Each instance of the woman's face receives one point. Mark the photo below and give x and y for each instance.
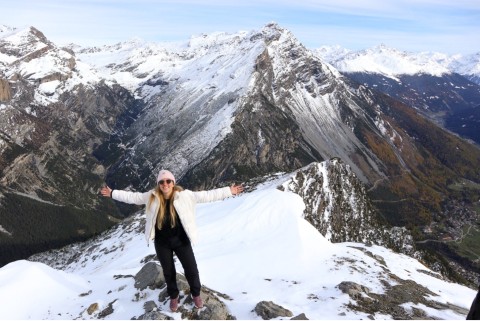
(166, 186)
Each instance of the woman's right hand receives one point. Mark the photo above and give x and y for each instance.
(106, 191)
(236, 189)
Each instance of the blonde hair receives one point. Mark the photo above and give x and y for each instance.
(158, 195)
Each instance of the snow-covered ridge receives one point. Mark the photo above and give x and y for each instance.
(392, 62)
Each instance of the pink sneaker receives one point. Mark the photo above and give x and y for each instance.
(174, 304)
(198, 302)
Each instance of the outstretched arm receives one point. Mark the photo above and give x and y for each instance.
(215, 194)
(126, 196)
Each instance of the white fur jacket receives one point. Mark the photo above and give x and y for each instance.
(184, 202)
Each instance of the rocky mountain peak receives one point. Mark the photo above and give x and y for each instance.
(20, 44)
(39, 35)
(272, 32)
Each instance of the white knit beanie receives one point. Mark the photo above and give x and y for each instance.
(164, 174)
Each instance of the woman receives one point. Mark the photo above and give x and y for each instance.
(170, 222)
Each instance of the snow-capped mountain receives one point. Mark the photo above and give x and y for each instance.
(191, 93)
(216, 109)
(258, 259)
(391, 62)
(443, 87)
(54, 110)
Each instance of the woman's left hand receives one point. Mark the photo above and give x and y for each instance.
(106, 191)
(236, 189)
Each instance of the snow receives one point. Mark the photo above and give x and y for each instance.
(204, 61)
(49, 88)
(2, 229)
(253, 247)
(392, 62)
(18, 37)
(30, 289)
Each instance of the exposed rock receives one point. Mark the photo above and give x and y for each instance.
(351, 217)
(392, 301)
(214, 308)
(269, 310)
(85, 293)
(301, 316)
(152, 312)
(5, 92)
(149, 306)
(154, 315)
(92, 308)
(378, 258)
(150, 275)
(354, 290)
(107, 311)
(182, 284)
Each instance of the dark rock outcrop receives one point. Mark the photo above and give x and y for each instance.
(269, 310)
(337, 204)
(392, 301)
(151, 276)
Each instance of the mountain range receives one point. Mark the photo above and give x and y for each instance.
(222, 108)
(442, 87)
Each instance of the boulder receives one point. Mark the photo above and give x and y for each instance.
(5, 92)
(269, 310)
(301, 316)
(154, 315)
(149, 306)
(107, 311)
(92, 308)
(151, 276)
(354, 290)
(213, 307)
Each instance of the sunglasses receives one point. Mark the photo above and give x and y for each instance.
(168, 181)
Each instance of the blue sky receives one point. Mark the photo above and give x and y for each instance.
(449, 26)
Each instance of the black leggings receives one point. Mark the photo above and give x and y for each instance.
(184, 252)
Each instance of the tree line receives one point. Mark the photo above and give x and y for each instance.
(34, 226)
